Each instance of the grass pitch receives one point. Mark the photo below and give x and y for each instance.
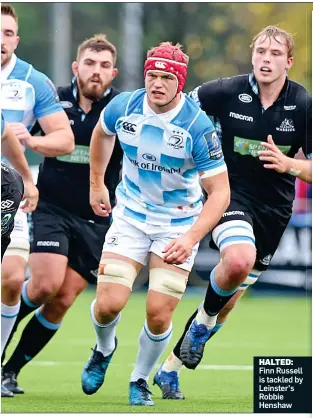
(259, 326)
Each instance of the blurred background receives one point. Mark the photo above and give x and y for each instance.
(216, 36)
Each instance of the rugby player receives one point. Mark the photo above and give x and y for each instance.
(263, 119)
(16, 184)
(64, 258)
(168, 142)
(26, 96)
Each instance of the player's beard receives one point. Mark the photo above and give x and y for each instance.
(5, 58)
(94, 92)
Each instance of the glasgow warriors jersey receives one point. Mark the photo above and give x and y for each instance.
(64, 180)
(163, 154)
(243, 123)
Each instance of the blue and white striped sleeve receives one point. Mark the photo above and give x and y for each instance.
(113, 111)
(46, 97)
(207, 151)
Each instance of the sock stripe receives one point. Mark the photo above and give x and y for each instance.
(9, 316)
(29, 303)
(157, 340)
(46, 323)
(217, 289)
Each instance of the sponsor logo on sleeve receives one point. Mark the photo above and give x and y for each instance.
(214, 145)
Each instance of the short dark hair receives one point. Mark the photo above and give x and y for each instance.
(8, 10)
(97, 43)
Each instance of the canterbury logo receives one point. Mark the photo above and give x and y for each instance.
(160, 64)
(129, 127)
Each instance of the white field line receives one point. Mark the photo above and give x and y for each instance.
(200, 367)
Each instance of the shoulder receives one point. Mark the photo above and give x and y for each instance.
(114, 92)
(128, 101)
(197, 117)
(66, 97)
(227, 84)
(299, 93)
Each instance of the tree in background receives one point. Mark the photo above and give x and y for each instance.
(215, 35)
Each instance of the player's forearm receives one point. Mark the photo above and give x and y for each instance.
(12, 151)
(211, 213)
(60, 142)
(301, 169)
(101, 148)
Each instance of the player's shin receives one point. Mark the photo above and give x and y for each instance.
(151, 347)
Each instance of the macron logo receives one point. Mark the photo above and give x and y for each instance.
(48, 244)
(242, 117)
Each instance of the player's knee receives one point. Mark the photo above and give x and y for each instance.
(110, 306)
(238, 265)
(158, 320)
(11, 285)
(43, 287)
(12, 280)
(168, 282)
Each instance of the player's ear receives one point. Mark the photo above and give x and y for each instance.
(289, 63)
(75, 68)
(114, 73)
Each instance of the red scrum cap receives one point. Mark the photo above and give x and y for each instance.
(168, 58)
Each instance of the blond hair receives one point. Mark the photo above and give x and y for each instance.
(97, 43)
(275, 32)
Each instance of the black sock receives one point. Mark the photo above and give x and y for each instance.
(176, 350)
(33, 339)
(23, 312)
(215, 298)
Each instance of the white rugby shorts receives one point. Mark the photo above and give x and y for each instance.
(134, 239)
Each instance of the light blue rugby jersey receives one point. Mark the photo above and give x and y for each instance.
(163, 154)
(26, 94)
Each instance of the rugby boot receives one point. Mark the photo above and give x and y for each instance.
(10, 382)
(94, 372)
(169, 384)
(139, 393)
(5, 393)
(192, 347)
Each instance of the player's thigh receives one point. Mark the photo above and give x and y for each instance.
(167, 284)
(49, 248)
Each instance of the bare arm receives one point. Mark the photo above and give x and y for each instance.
(218, 200)
(217, 188)
(101, 148)
(59, 138)
(301, 169)
(12, 151)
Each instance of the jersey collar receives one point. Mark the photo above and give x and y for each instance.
(166, 115)
(8, 68)
(255, 88)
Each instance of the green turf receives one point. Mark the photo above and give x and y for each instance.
(258, 327)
